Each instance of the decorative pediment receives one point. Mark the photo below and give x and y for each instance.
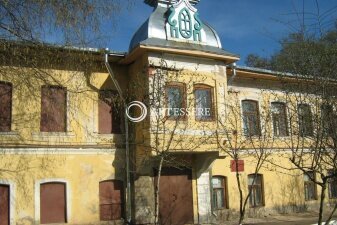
(184, 24)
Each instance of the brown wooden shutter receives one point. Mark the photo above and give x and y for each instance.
(5, 107)
(4, 205)
(109, 116)
(53, 203)
(53, 109)
(111, 200)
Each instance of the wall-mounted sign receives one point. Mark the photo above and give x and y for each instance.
(183, 23)
(240, 165)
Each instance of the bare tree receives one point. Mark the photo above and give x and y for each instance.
(253, 142)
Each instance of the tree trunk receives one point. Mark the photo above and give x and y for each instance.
(156, 216)
(242, 210)
(321, 206)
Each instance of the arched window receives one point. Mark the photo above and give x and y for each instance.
(111, 196)
(53, 204)
(250, 116)
(220, 194)
(185, 23)
(255, 185)
(175, 100)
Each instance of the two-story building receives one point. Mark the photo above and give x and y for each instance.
(65, 158)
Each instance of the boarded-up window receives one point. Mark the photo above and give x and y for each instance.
(111, 200)
(53, 109)
(53, 203)
(109, 113)
(4, 205)
(5, 107)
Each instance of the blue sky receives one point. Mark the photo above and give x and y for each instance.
(244, 26)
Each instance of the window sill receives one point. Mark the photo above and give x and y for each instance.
(52, 134)
(9, 134)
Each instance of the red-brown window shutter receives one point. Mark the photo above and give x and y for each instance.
(5, 107)
(111, 200)
(53, 203)
(109, 115)
(53, 109)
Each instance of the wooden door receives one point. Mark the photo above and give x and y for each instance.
(4, 205)
(53, 203)
(175, 197)
(111, 200)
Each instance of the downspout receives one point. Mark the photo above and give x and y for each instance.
(127, 148)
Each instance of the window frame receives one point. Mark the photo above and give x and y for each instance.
(248, 134)
(10, 106)
(332, 181)
(327, 131)
(285, 118)
(253, 186)
(211, 90)
(306, 134)
(224, 187)
(182, 87)
(309, 183)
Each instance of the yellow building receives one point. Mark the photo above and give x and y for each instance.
(65, 158)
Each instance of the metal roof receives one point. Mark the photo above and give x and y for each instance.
(154, 27)
(153, 3)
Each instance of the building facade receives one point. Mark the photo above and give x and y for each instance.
(62, 131)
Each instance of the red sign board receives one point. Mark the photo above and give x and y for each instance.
(241, 165)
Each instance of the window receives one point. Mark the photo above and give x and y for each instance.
(4, 204)
(109, 113)
(327, 118)
(332, 184)
(5, 107)
(256, 198)
(53, 206)
(111, 200)
(219, 185)
(251, 121)
(175, 100)
(53, 109)
(203, 102)
(309, 186)
(305, 120)
(279, 117)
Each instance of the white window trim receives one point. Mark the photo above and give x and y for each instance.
(37, 197)
(12, 199)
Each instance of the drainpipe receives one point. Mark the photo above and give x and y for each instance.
(233, 67)
(127, 148)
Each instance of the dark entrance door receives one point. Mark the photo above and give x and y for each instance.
(4, 205)
(175, 197)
